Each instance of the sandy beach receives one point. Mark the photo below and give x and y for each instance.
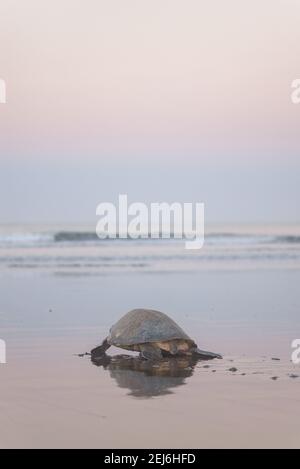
(50, 397)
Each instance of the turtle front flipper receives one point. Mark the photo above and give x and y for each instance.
(202, 354)
(98, 352)
(150, 352)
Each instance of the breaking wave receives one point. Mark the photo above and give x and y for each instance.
(32, 239)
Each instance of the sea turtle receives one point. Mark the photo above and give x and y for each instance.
(153, 334)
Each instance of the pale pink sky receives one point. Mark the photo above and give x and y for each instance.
(159, 78)
(139, 83)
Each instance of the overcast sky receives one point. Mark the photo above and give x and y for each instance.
(165, 100)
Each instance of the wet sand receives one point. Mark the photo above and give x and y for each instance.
(57, 400)
(51, 398)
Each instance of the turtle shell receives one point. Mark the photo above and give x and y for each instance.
(140, 326)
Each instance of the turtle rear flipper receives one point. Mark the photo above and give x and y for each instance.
(206, 355)
(98, 352)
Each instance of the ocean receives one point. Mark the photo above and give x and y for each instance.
(76, 250)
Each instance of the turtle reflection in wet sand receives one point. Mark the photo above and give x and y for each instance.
(146, 378)
(152, 333)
